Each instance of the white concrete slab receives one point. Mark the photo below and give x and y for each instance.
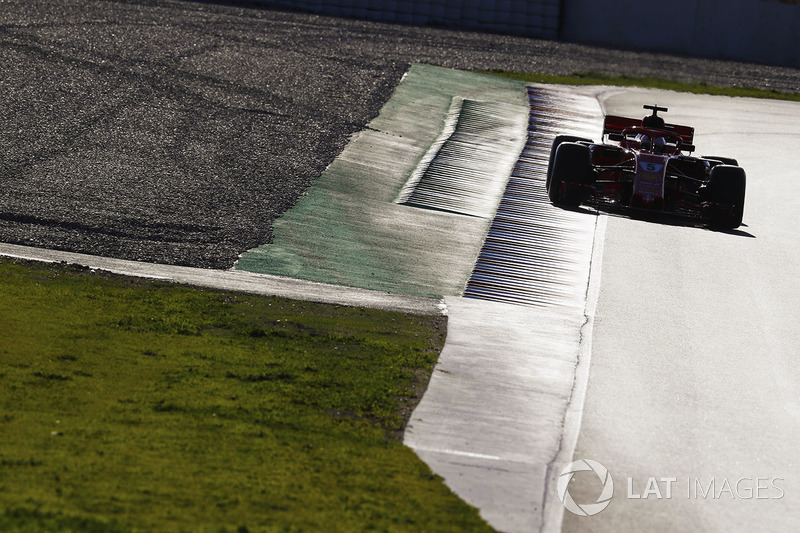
(493, 418)
(503, 409)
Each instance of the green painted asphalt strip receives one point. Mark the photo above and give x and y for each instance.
(348, 230)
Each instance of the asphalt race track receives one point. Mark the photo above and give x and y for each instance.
(694, 375)
(176, 132)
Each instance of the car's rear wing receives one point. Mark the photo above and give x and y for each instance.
(613, 126)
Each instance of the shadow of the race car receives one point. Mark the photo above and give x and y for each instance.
(653, 217)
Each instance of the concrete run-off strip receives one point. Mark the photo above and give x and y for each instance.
(502, 412)
(230, 280)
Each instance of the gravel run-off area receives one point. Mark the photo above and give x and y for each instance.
(176, 132)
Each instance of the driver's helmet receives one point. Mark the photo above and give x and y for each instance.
(659, 144)
(644, 141)
(653, 121)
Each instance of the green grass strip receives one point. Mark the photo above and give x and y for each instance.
(130, 405)
(595, 78)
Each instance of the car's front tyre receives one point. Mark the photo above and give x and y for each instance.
(558, 141)
(724, 196)
(571, 174)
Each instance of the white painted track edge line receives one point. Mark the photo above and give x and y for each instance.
(458, 453)
(553, 510)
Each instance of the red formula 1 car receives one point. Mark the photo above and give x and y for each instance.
(647, 170)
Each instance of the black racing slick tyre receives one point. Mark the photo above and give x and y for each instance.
(572, 170)
(725, 193)
(560, 139)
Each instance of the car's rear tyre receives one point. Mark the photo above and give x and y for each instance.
(725, 193)
(572, 170)
(558, 141)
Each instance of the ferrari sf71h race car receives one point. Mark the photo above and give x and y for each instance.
(647, 171)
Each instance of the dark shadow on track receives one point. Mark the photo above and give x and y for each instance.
(666, 219)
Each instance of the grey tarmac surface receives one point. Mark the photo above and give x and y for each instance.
(176, 132)
(694, 372)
